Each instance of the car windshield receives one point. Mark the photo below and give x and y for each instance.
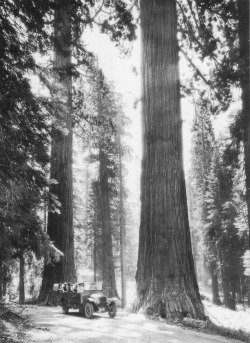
(93, 286)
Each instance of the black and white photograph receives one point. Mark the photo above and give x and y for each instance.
(124, 171)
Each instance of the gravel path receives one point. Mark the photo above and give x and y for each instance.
(133, 328)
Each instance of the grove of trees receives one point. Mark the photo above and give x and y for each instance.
(65, 207)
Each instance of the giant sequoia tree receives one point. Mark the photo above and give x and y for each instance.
(166, 281)
(60, 225)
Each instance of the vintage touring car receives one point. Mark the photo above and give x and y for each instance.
(87, 297)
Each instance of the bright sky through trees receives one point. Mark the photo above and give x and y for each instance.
(124, 71)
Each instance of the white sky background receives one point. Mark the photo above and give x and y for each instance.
(118, 68)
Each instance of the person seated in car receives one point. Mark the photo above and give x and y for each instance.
(81, 287)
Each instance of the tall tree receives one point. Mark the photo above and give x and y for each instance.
(70, 20)
(166, 281)
(23, 127)
(221, 231)
(21, 279)
(228, 56)
(107, 172)
(244, 47)
(202, 152)
(60, 225)
(122, 223)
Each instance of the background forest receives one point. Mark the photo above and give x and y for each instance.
(68, 209)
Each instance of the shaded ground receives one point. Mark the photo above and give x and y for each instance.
(133, 328)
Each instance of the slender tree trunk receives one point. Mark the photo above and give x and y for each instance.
(45, 212)
(96, 227)
(21, 280)
(228, 295)
(107, 263)
(166, 281)
(5, 277)
(122, 227)
(215, 284)
(60, 226)
(95, 257)
(95, 248)
(1, 276)
(243, 11)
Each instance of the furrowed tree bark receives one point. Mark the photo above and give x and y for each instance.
(166, 280)
(60, 226)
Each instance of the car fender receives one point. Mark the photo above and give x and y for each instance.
(91, 300)
(112, 300)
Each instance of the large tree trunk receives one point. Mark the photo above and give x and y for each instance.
(107, 263)
(60, 226)
(166, 280)
(21, 279)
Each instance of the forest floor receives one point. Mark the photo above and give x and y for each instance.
(233, 320)
(51, 326)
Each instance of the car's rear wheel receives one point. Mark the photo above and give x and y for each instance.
(88, 310)
(65, 307)
(112, 310)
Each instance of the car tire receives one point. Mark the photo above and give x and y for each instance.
(112, 310)
(88, 310)
(65, 307)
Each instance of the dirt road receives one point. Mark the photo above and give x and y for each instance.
(133, 328)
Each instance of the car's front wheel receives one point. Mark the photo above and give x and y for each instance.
(88, 310)
(112, 310)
